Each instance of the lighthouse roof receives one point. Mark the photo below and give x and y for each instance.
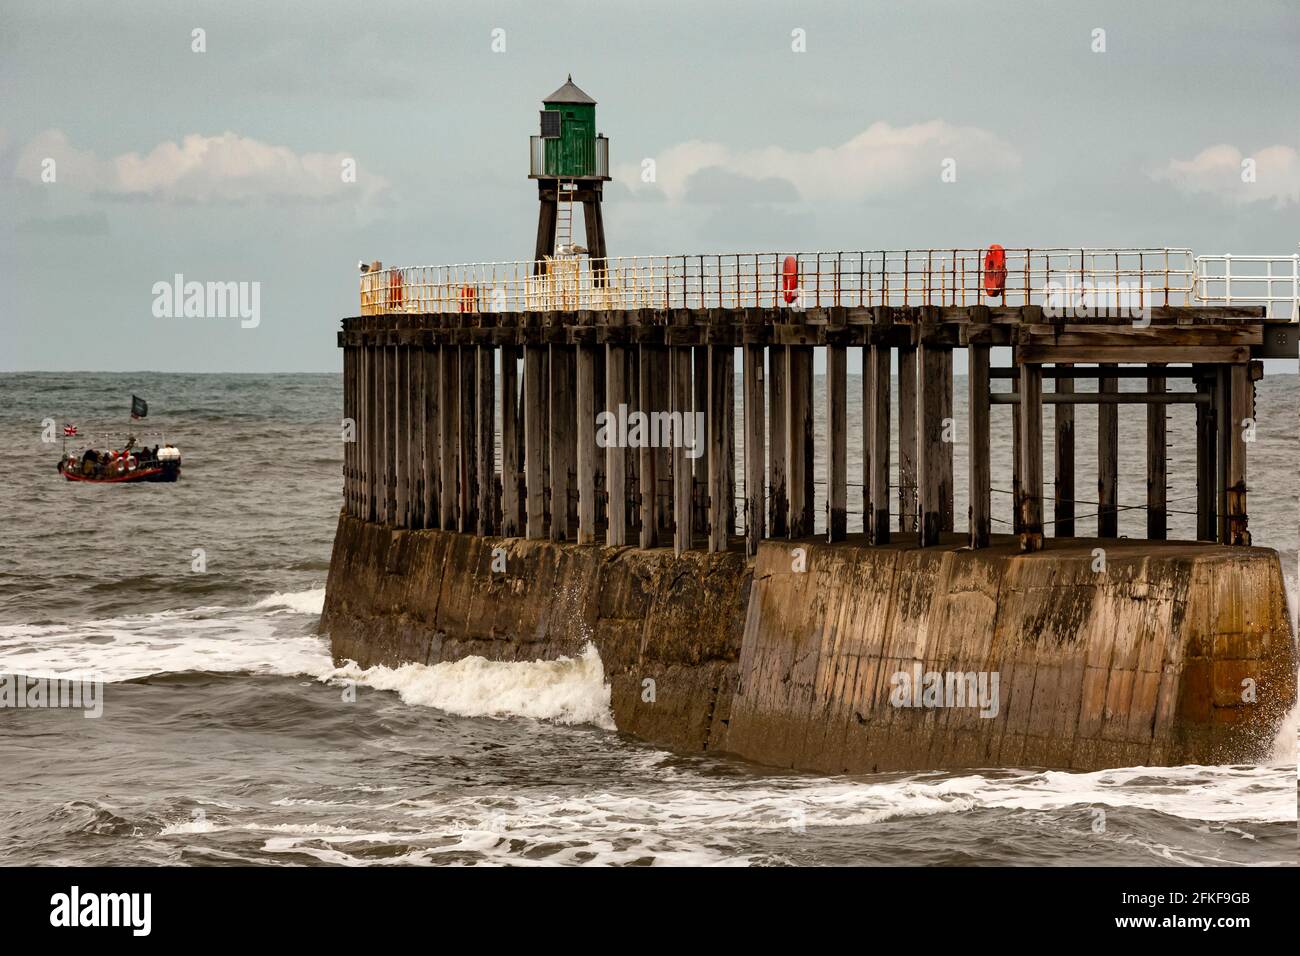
(569, 93)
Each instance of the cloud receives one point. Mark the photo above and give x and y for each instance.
(1218, 170)
(877, 161)
(76, 224)
(717, 185)
(200, 169)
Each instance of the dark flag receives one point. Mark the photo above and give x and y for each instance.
(139, 407)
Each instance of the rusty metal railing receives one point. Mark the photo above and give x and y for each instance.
(1163, 276)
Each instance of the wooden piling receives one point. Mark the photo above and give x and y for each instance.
(648, 473)
(978, 444)
(1108, 461)
(879, 481)
(563, 436)
(720, 465)
(616, 395)
(799, 440)
(1206, 470)
(680, 388)
(947, 506)
(1157, 466)
(586, 443)
(486, 432)
(1223, 438)
(1031, 457)
(467, 440)
(930, 444)
(868, 442)
(534, 450)
(391, 395)
(755, 450)
(402, 438)
(837, 424)
(778, 438)
(415, 362)
(700, 466)
(1242, 399)
(906, 438)
(448, 417)
(511, 488)
(1063, 451)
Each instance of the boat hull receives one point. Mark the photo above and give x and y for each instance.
(140, 474)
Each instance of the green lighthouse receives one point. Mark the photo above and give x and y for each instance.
(570, 162)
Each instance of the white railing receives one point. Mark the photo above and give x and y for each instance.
(1271, 281)
(775, 280)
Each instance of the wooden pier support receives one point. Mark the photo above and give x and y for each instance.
(653, 396)
(616, 395)
(391, 396)
(837, 424)
(1206, 466)
(1031, 457)
(1108, 461)
(979, 444)
(1242, 399)
(535, 358)
(721, 464)
(467, 440)
(512, 489)
(562, 430)
(1063, 451)
(907, 417)
(880, 359)
(1157, 462)
(755, 448)
(930, 452)
(415, 437)
(680, 388)
(448, 423)
(799, 441)
(700, 465)
(777, 369)
(947, 506)
(430, 450)
(486, 396)
(586, 441)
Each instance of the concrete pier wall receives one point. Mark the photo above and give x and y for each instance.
(791, 660)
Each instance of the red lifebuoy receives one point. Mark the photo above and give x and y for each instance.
(995, 271)
(790, 278)
(468, 298)
(394, 289)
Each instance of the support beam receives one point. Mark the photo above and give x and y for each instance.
(369, 433)
(881, 372)
(430, 451)
(906, 439)
(837, 424)
(1157, 464)
(799, 440)
(978, 445)
(1015, 442)
(1064, 454)
(534, 446)
(1206, 470)
(930, 444)
(947, 505)
(721, 463)
(585, 428)
(563, 436)
(415, 439)
(349, 415)
(486, 428)
(778, 437)
(511, 488)
(391, 395)
(1031, 457)
(700, 466)
(616, 394)
(1108, 462)
(467, 440)
(682, 478)
(1223, 438)
(1243, 422)
(755, 450)
(448, 424)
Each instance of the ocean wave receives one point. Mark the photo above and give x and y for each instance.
(568, 690)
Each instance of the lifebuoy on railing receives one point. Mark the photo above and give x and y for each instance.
(394, 289)
(995, 271)
(468, 298)
(790, 278)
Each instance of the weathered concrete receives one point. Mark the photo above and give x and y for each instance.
(1141, 663)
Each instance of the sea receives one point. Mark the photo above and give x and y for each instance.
(228, 735)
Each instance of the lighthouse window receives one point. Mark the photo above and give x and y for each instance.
(550, 124)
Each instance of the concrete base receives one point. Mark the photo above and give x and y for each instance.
(791, 660)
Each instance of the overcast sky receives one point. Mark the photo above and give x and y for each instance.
(225, 165)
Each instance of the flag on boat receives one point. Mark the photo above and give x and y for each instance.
(139, 407)
(69, 431)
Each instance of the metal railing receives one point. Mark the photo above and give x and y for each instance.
(563, 163)
(775, 280)
(1271, 281)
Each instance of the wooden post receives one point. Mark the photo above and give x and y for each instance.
(1157, 466)
(391, 396)
(868, 441)
(585, 429)
(648, 474)
(1064, 455)
(720, 465)
(778, 437)
(906, 438)
(615, 453)
(661, 392)
(448, 470)
(978, 446)
(467, 440)
(1108, 461)
(700, 466)
(1015, 447)
(729, 441)
(486, 386)
(534, 450)
(1243, 414)
(930, 445)
(799, 443)
(415, 361)
(1031, 454)
(631, 455)
(682, 478)
(755, 452)
(430, 452)
(1223, 438)
(349, 414)
(837, 422)
(563, 436)
(879, 480)
(510, 458)
(1206, 514)
(947, 506)
(402, 438)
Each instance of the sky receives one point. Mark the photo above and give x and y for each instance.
(129, 155)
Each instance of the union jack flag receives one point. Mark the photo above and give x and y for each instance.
(69, 431)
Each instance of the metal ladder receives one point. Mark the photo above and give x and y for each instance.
(563, 218)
